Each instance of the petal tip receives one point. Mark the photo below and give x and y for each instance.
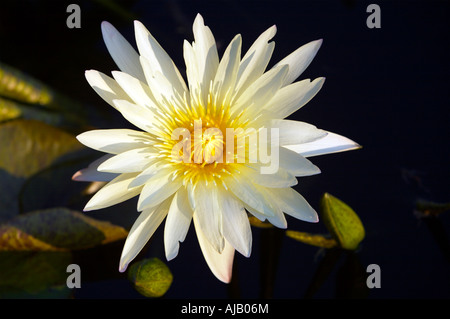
(123, 267)
(77, 176)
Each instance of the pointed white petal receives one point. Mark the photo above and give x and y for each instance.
(226, 75)
(121, 51)
(158, 59)
(280, 179)
(91, 174)
(209, 214)
(135, 160)
(177, 223)
(236, 227)
(247, 192)
(116, 191)
(192, 71)
(221, 265)
(143, 228)
(206, 55)
(260, 91)
(277, 219)
(138, 115)
(158, 188)
(135, 89)
(292, 97)
(161, 88)
(295, 163)
(106, 87)
(295, 132)
(331, 143)
(149, 172)
(292, 203)
(299, 60)
(255, 61)
(114, 141)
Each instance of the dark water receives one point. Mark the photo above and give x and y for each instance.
(388, 89)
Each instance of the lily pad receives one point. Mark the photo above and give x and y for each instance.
(57, 229)
(27, 274)
(17, 85)
(27, 146)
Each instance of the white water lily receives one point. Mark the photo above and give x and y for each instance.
(227, 93)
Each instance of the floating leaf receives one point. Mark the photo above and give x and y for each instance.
(23, 88)
(150, 277)
(8, 110)
(53, 186)
(29, 98)
(14, 239)
(27, 146)
(57, 229)
(33, 274)
(342, 222)
(312, 239)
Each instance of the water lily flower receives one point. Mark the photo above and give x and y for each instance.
(201, 152)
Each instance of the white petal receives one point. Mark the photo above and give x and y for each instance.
(255, 61)
(226, 75)
(149, 172)
(135, 160)
(295, 132)
(116, 191)
(158, 188)
(292, 97)
(114, 141)
(209, 214)
(295, 163)
(277, 218)
(331, 143)
(247, 192)
(106, 87)
(135, 89)
(292, 203)
(177, 223)
(159, 60)
(121, 51)
(143, 228)
(138, 115)
(299, 60)
(206, 55)
(221, 265)
(236, 227)
(91, 174)
(260, 91)
(192, 71)
(280, 179)
(162, 89)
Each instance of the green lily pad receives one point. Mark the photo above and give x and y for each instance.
(18, 86)
(27, 274)
(150, 277)
(8, 110)
(57, 229)
(27, 146)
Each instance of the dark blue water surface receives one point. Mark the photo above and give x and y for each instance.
(387, 88)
